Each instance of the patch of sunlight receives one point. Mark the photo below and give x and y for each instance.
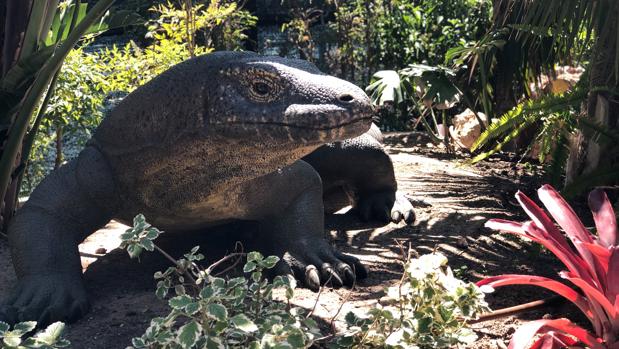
(101, 242)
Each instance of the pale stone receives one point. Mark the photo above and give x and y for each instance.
(466, 128)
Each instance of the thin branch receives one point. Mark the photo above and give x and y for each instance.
(209, 270)
(518, 309)
(339, 309)
(176, 263)
(318, 297)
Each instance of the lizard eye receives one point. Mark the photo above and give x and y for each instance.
(261, 88)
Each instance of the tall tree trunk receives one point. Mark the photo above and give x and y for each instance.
(586, 154)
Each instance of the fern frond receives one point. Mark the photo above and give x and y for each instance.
(559, 154)
(526, 113)
(512, 135)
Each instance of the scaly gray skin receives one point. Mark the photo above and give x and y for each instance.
(214, 139)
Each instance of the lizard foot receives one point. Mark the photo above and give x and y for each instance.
(46, 299)
(386, 207)
(315, 264)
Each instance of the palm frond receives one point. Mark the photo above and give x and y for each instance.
(526, 114)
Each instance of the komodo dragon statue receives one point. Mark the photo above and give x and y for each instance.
(218, 138)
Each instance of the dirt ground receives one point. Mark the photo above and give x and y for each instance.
(452, 201)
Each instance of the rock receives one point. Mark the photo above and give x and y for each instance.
(466, 128)
(101, 250)
(565, 79)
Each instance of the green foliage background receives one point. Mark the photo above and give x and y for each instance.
(88, 76)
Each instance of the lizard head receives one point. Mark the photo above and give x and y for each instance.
(285, 100)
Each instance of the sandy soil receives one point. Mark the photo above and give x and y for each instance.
(452, 200)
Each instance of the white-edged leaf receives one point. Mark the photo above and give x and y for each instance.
(217, 311)
(179, 302)
(188, 334)
(243, 323)
(51, 334)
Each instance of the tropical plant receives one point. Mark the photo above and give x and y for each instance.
(21, 337)
(555, 118)
(528, 38)
(592, 263)
(28, 65)
(422, 32)
(428, 309)
(605, 174)
(417, 87)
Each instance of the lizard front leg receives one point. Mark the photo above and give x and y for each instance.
(362, 167)
(69, 204)
(288, 206)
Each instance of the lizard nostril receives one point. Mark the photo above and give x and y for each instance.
(346, 98)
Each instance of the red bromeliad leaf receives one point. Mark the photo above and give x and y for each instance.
(563, 214)
(553, 340)
(600, 253)
(530, 231)
(591, 293)
(605, 220)
(505, 225)
(612, 275)
(567, 256)
(571, 224)
(541, 219)
(552, 285)
(525, 333)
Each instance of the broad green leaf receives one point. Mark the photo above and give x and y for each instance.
(214, 343)
(188, 334)
(180, 302)
(147, 244)
(270, 262)
(243, 323)
(138, 342)
(24, 327)
(134, 250)
(192, 308)
(217, 311)
(296, 340)
(249, 267)
(11, 340)
(152, 233)
(51, 334)
(254, 256)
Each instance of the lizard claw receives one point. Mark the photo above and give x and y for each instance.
(386, 207)
(321, 265)
(46, 299)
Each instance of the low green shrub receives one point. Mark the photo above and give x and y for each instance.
(211, 312)
(427, 309)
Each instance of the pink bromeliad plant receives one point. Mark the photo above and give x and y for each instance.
(592, 263)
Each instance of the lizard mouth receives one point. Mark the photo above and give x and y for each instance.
(367, 119)
(303, 123)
